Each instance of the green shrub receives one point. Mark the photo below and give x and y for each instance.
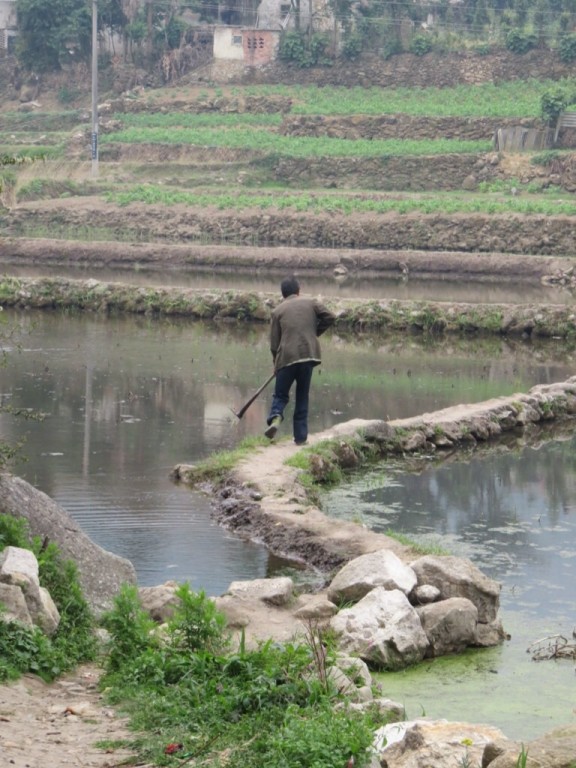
(420, 45)
(352, 47)
(483, 49)
(546, 158)
(130, 629)
(68, 95)
(567, 49)
(196, 624)
(268, 706)
(552, 103)
(24, 650)
(520, 42)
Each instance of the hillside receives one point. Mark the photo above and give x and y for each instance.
(402, 170)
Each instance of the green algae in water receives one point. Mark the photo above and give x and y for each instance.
(501, 686)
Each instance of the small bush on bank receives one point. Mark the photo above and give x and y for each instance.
(420, 45)
(552, 103)
(520, 42)
(567, 49)
(297, 48)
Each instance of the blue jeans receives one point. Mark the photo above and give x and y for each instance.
(301, 373)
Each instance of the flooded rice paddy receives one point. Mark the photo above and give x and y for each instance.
(125, 399)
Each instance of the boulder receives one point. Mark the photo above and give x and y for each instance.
(450, 625)
(19, 570)
(100, 573)
(376, 569)
(383, 629)
(314, 608)
(14, 606)
(556, 749)
(351, 678)
(458, 577)
(424, 594)
(273, 591)
(159, 601)
(438, 743)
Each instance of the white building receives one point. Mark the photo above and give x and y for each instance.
(7, 26)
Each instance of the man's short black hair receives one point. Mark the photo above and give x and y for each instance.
(289, 286)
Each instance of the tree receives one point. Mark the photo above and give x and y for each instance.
(50, 30)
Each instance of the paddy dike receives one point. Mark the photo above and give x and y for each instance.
(519, 321)
(469, 236)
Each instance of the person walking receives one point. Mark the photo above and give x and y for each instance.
(296, 324)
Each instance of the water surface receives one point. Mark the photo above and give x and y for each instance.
(353, 287)
(128, 398)
(514, 515)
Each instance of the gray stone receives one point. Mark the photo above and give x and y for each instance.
(100, 573)
(159, 601)
(556, 749)
(450, 625)
(274, 591)
(383, 629)
(314, 607)
(14, 606)
(458, 577)
(433, 744)
(376, 569)
(19, 568)
(424, 594)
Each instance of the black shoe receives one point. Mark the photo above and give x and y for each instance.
(301, 442)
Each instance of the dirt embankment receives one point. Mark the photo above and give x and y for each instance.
(474, 234)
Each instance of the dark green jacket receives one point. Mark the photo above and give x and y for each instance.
(294, 329)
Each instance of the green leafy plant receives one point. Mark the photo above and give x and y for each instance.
(196, 624)
(567, 48)
(552, 103)
(352, 47)
(271, 705)
(420, 45)
(520, 42)
(546, 158)
(130, 629)
(522, 758)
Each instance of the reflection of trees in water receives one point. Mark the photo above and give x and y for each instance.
(500, 501)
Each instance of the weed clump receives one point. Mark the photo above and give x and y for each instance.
(184, 684)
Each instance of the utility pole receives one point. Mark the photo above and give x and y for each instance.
(94, 137)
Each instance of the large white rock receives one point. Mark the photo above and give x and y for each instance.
(383, 629)
(19, 569)
(273, 591)
(376, 569)
(14, 606)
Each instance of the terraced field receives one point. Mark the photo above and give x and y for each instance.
(263, 174)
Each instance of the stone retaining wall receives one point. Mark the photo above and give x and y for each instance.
(506, 233)
(433, 70)
(353, 314)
